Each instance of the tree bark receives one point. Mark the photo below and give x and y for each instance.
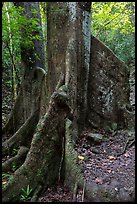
(17, 160)
(108, 88)
(74, 38)
(47, 142)
(32, 94)
(23, 135)
(62, 107)
(49, 134)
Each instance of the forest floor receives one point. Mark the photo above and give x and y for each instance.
(101, 166)
(100, 163)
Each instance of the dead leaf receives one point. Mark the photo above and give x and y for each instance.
(4, 182)
(81, 157)
(112, 158)
(99, 180)
(126, 154)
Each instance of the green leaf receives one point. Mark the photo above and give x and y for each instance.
(114, 133)
(114, 126)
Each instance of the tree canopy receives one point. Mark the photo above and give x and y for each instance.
(12, 24)
(114, 24)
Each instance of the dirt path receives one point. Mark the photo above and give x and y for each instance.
(103, 168)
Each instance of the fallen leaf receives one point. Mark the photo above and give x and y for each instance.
(81, 157)
(99, 180)
(112, 158)
(4, 182)
(126, 154)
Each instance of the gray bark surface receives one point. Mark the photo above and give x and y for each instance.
(69, 29)
(108, 88)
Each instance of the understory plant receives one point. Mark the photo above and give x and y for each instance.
(26, 193)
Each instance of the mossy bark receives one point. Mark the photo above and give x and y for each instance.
(72, 169)
(23, 136)
(42, 156)
(28, 100)
(32, 60)
(108, 88)
(16, 160)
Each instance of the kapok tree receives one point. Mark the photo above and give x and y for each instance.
(50, 111)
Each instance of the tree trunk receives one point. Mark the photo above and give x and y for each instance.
(28, 101)
(74, 18)
(33, 61)
(11, 48)
(44, 142)
(51, 156)
(69, 53)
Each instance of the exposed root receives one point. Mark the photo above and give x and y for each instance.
(36, 194)
(13, 123)
(16, 160)
(83, 193)
(23, 136)
(72, 169)
(42, 164)
(74, 199)
(28, 100)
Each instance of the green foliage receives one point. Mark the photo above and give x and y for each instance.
(7, 177)
(14, 167)
(113, 130)
(26, 193)
(17, 32)
(14, 152)
(114, 126)
(114, 24)
(10, 29)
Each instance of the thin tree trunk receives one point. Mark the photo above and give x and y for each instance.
(32, 56)
(33, 61)
(11, 52)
